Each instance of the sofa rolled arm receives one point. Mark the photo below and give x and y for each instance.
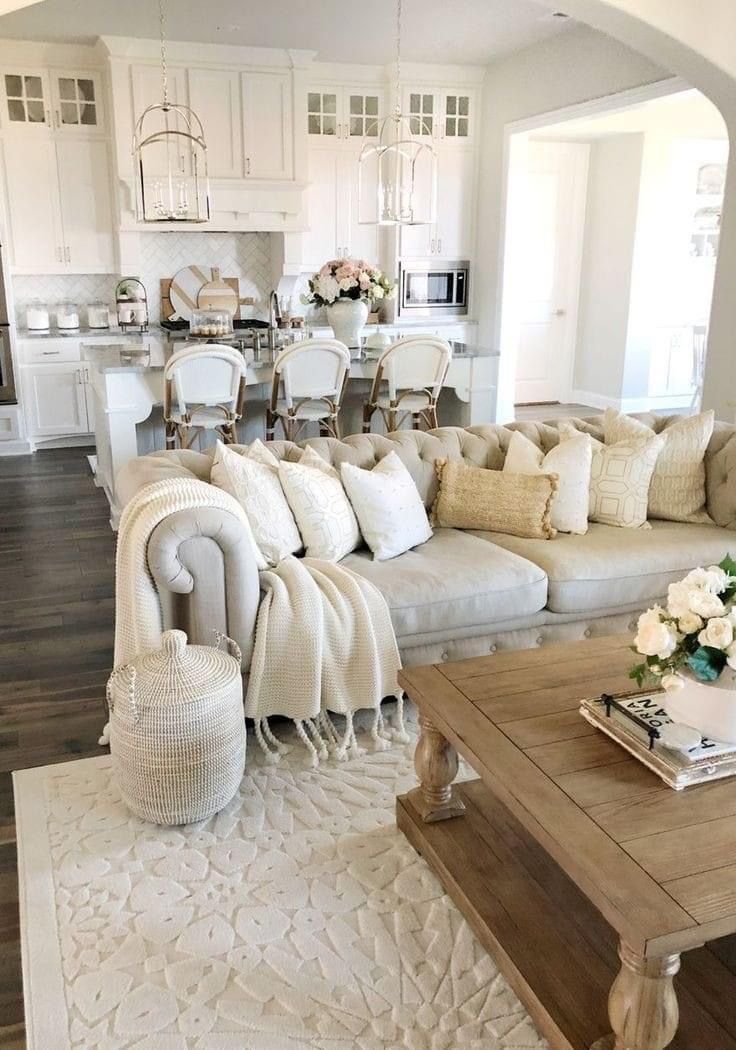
(202, 563)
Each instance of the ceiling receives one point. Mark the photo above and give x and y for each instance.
(462, 31)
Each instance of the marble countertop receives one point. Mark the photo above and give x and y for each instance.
(151, 356)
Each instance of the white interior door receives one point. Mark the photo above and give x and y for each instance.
(550, 222)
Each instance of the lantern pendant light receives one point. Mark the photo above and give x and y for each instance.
(397, 171)
(170, 158)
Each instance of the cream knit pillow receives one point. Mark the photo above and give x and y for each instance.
(322, 510)
(253, 480)
(620, 478)
(388, 505)
(677, 492)
(570, 460)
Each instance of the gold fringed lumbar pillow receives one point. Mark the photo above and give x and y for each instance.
(494, 500)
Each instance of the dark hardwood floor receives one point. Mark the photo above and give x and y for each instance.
(56, 636)
(57, 563)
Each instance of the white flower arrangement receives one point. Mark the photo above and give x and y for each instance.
(696, 632)
(348, 279)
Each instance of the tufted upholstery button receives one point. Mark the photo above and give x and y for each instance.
(493, 648)
(633, 625)
(540, 640)
(587, 632)
(445, 656)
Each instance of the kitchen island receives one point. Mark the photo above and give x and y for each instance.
(127, 385)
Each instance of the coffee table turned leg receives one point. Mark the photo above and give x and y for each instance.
(642, 1005)
(435, 761)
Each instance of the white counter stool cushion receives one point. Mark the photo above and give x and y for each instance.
(570, 460)
(322, 510)
(388, 506)
(620, 477)
(312, 375)
(252, 478)
(204, 388)
(408, 380)
(177, 730)
(677, 491)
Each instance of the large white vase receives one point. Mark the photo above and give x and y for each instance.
(709, 707)
(347, 319)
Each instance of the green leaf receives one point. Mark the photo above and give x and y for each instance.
(706, 663)
(728, 565)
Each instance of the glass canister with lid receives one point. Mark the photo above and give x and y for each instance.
(212, 324)
(67, 314)
(98, 315)
(37, 316)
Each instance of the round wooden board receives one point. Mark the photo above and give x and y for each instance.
(218, 295)
(185, 288)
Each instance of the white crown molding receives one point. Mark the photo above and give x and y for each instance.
(184, 52)
(46, 53)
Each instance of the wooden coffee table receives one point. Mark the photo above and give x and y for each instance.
(567, 848)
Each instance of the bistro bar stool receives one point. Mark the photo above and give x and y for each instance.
(309, 379)
(414, 370)
(204, 389)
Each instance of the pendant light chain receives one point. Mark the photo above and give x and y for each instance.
(164, 67)
(398, 57)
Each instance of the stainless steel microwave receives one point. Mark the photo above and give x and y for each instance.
(433, 288)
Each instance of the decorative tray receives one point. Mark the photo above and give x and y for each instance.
(638, 722)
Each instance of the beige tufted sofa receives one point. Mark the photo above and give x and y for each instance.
(462, 593)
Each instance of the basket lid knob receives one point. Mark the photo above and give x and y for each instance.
(174, 642)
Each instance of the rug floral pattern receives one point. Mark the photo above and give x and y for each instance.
(298, 917)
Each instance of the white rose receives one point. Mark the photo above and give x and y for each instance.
(672, 682)
(347, 283)
(731, 655)
(705, 604)
(328, 288)
(678, 599)
(689, 623)
(378, 292)
(656, 639)
(712, 579)
(718, 633)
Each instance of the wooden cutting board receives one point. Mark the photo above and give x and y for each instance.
(168, 313)
(218, 295)
(185, 287)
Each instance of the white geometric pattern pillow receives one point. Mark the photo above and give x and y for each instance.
(322, 510)
(570, 460)
(389, 508)
(620, 476)
(677, 492)
(253, 479)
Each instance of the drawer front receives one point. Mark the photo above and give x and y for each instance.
(43, 351)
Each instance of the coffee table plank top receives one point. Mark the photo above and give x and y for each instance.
(658, 864)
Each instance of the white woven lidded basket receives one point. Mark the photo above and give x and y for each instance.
(177, 730)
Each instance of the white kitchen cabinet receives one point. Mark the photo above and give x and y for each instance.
(59, 204)
(446, 114)
(214, 95)
(350, 114)
(451, 234)
(334, 229)
(55, 400)
(26, 100)
(148, 91)
(66, 100)
(268, 125)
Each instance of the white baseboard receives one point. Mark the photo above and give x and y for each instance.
(21, 447)
(588, 397)
(630, 404)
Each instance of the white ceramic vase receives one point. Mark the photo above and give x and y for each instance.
(709, 707)
(347, 318)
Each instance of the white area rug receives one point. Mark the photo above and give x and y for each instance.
(299, 917)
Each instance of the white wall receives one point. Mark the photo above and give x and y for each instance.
(578, 65)
(608, 252)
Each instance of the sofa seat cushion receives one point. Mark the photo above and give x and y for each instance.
(454, 580)
(610, 567)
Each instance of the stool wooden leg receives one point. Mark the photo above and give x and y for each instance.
(270, 424)
(435, 761)
(642, 1005)
(431, 415)
(170, 436)
(368, 411)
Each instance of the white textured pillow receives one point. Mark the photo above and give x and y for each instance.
(322, 510)
(677, 492)
(620, 478)
(390, 511)
(570, 460)
(253, 479)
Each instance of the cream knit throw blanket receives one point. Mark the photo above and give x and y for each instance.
(324, 639)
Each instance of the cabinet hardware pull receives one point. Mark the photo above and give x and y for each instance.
(247, 165)
(431, 246)
(50, 353)
(48, 118)
(58, 119)
(439, 246)
(67, 253)
(79, 376)
(86, 375)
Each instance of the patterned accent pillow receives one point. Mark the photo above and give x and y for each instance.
(253, 479)
(494, 500)
(322, 510)
(677, 492)
(570, 460)
(619, 479)
(388, 505)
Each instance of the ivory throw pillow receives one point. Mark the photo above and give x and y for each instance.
(322, 510)
(494, 500)
(389, 508)
(619, 479)
(677, 491)
(570, 460)
(253, 479)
